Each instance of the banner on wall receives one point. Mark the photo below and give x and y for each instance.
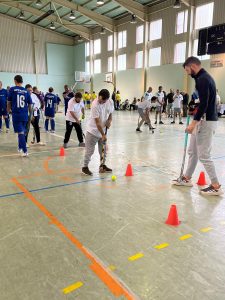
(216, 63)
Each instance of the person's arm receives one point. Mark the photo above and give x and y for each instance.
(74, 116)
(9, 106)
(109, 121)
(100, 129)
(83, 112)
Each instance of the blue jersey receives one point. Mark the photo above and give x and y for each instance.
(50, 102)
(20, 99)
(3, 99)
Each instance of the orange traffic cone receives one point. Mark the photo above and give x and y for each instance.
(129, 171)
(173, 216)
(201, 180)
(62, 152)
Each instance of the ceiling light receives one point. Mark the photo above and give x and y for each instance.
(21, 15)
(100, 2)
(133, 19)
(80, 39)
(38, 3)
(102, 31)
(52, 26)
(72, 15)
(177, 4)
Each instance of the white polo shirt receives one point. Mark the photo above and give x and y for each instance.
(177, 100)
(74, 107)
(160, 97)
(144, 105)
(148, 96)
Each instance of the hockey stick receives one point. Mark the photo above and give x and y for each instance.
(103, 154)
(185, 151)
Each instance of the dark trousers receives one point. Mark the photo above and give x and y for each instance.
(35, 123)
(185, 108)
(69, 128)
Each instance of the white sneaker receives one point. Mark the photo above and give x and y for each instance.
(41, 144)
(27, 145)
(24, 154)
(182, 182)
(211, 191)
(19, 150)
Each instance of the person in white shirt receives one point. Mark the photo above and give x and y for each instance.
(148, 95)
(74, 111)
(100, 119)
(177, 101)
(218, 102)
(144, 110)
(159, 105)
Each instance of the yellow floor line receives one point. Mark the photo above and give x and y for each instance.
(161, 246)
(185, 237)
(206, 229)
(136, 256)
(72, 287)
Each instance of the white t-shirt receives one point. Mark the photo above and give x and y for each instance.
(101, 111)
(36, 104)
(177, 101)
(160, 97)
(148, 96)
(218, 99)
(74, 107)
(144, 104)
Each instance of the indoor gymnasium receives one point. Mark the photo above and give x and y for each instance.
(112, 152)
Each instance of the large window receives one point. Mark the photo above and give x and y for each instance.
(180, 53)
(122, 39)
(87, 49)
(182, 22)
(155, 30)
(195, 51)
(110, 43)
(110, 64)
(97, 46)
(204, 15)
(155, 57)
(87, 67)
(140, 34)
(122, 62)
(139, 60)
(97, 66)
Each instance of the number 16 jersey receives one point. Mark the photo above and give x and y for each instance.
(20, 99)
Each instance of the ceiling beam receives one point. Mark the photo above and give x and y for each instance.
(78, 29)
(98, 18)
(134, 8)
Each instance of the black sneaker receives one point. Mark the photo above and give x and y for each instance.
(86, 171)
(151, 128)
(138, 130)
(172, 122)
(104, 169)
(155, 122)
(211, 191)
(161, 122)
(181, 123)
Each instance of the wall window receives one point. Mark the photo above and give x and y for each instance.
(122, 39)
(204, 15)
(155, 30)
(140, 34)
(97, 66)
(139, 60)
(110, 43)
(122, 62)
(97, 46)
(110, 64)
(195, 51)
(87, 49)
(180, 53)
(182, 22)
(155, 57)
(87, 67)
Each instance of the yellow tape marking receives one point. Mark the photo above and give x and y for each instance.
(185, 237)
(72, 287)
(206, 229)
(136, 256)
(162, 246)
(112, 268)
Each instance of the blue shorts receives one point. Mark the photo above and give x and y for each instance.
(50, 113)
(3, 112)
(20, 126)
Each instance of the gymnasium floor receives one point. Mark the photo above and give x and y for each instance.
(66, 236)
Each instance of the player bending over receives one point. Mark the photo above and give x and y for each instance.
(144, 111)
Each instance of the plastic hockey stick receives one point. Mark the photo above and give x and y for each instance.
(103, 155)
(185, 151)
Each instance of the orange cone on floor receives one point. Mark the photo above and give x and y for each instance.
(62, 152)
(201, 180)
(173, 216)
(129, 171)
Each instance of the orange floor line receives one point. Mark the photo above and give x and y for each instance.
(117, 288)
